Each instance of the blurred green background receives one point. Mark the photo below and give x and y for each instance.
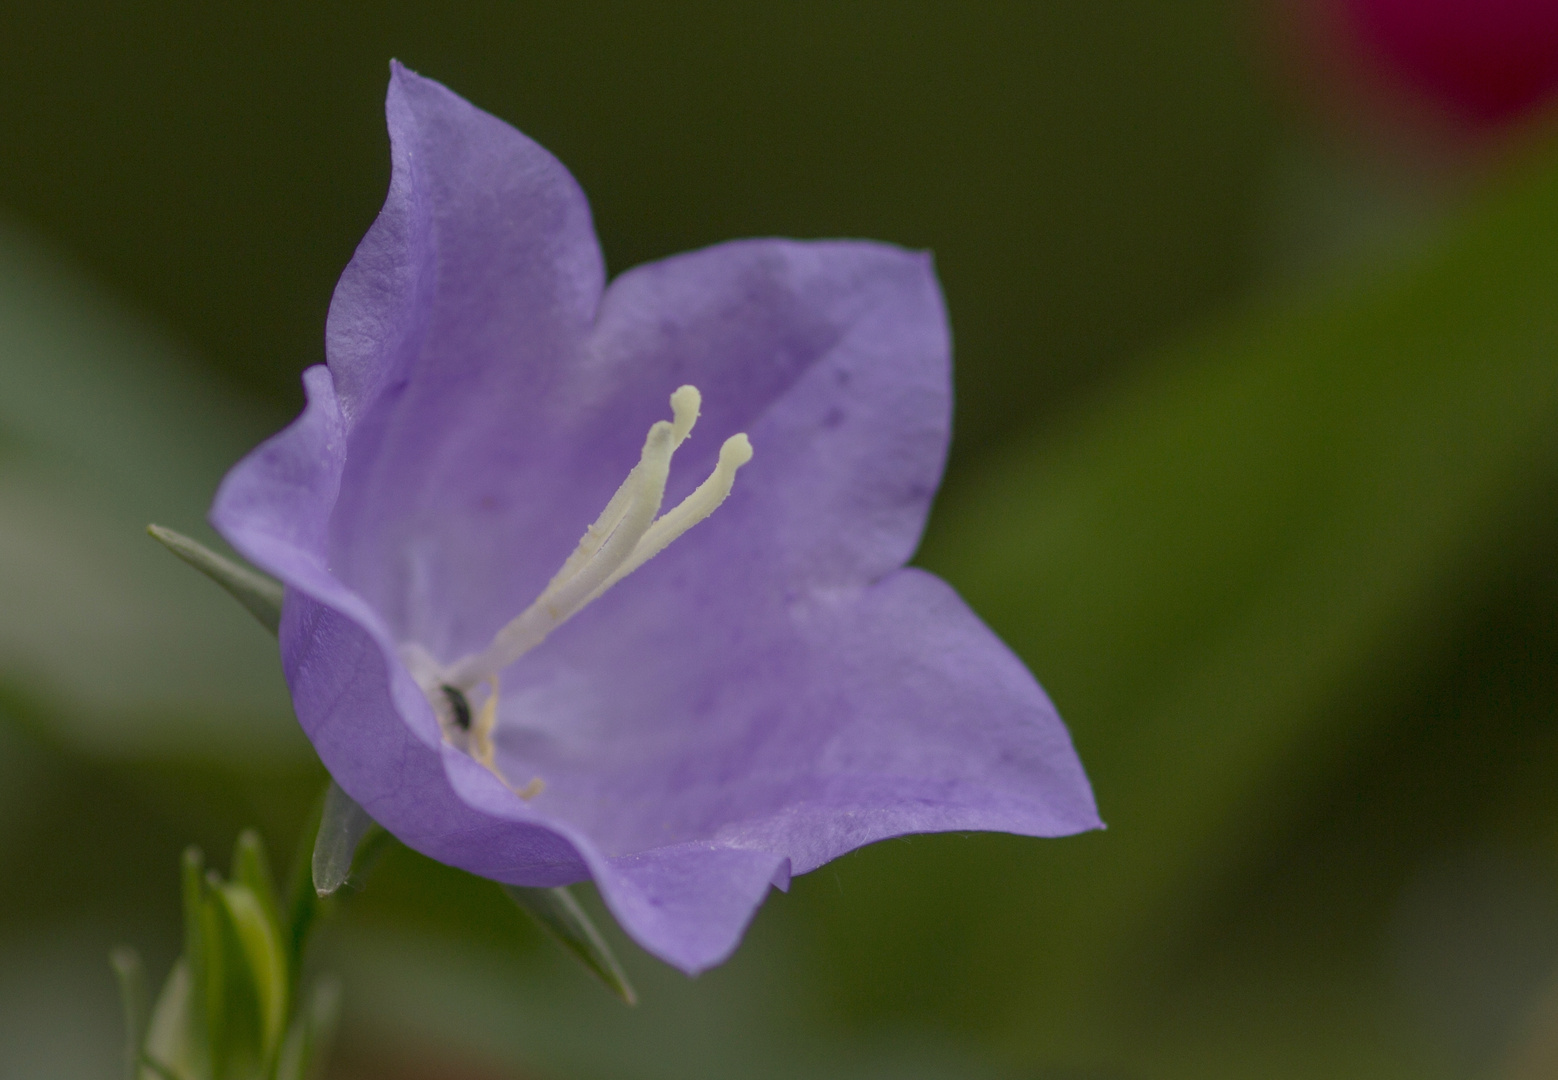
(1256, 464)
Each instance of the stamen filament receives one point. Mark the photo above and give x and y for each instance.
(705, 499)
(626, 535)
(565, 595)
(685, 405)
(481, 745)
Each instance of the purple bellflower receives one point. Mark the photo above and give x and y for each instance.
(688, 704)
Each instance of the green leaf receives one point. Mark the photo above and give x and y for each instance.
(560, 915)
(190, 1033)
(313, 1028)
(239, 981)
(261, 595)
(342, 826)
(173, 1044)
(251, 868)
(156, 1068)
(132, 993)
(219, 984)
(260, 967)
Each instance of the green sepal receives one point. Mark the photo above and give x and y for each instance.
(192, 999)
(342, 826)
(131, 975)
(560, 915)
(256, 592)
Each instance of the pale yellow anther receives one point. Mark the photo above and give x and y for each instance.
(685, 404)
(705, 499)
(482, 726)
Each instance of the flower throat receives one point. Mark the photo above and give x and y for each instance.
(628, 533)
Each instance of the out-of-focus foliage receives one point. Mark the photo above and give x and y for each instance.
(236, 1004)
(1085, 175)
(1279, 543)
(1269, 556)
(103, 427)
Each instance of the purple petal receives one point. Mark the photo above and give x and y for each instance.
(704, 696)
(807, 731)
(836, 358)
(688, 903)
(375, 733)
(456, 317)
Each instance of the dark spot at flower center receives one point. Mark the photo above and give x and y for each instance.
(461, 707)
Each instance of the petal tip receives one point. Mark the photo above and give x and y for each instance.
(400, 72)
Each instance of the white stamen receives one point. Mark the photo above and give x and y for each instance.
(603, 549)
(482, 725)
(685, 404)
(705, 499)
(624, 537)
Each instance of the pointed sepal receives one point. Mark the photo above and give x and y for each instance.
(560, 915)
(256, 592)
(342, 826)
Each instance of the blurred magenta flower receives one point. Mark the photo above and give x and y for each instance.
(1487, 61)
(772, 690)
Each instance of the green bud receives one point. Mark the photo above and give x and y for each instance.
(228, 1010)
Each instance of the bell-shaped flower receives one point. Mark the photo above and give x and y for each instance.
(731, 678)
